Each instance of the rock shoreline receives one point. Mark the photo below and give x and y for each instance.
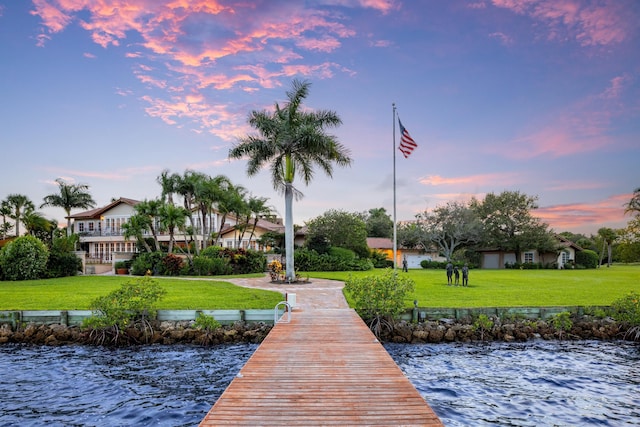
(163, 333)
(446, 330)
(442, 331)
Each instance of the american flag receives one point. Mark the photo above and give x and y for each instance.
(407, 144)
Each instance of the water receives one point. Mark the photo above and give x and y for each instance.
(529, 384)
(90, 386)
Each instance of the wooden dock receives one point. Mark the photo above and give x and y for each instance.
(323, 368)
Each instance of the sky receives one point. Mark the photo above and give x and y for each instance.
(536, 96)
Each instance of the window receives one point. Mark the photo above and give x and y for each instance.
(91, 226)
(528, 257)
(81, 227)
(564, 257)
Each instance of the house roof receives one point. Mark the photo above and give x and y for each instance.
(97, 212)
(379, 243)
(564, 242)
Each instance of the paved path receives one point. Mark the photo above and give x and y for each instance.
(319, 294)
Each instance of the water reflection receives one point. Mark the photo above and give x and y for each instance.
(528, 384)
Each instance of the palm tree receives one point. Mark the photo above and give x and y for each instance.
(169, 183)
(5, 212)
(186, 186)
(71, 196)
(608, 237)
(634, 203)
(293, 141)
(258, 208)
(18, 204)
(172, 217)
(135, 227)
(150, 210)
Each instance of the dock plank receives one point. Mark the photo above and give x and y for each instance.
(325, 368)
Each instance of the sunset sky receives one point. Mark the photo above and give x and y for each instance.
(540, 96)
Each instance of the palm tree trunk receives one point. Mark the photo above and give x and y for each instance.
(288, 231)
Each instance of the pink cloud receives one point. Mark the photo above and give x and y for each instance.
(603, 213)
(590, 23)
(188, 45)
(121, 175)
(582, 127)
(484, 179)
(504, 39)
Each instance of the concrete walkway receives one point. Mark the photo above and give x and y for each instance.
(318, 294)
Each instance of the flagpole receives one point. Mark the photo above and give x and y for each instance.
(395, 231)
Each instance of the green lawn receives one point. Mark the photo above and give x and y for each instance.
(518, 288)
(76, 293)
(488, 288)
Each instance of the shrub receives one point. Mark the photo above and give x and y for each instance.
(207, 323)
(483, 324)
(206, 266)
(379, 259)
(61, 264)
(587, 258)
(379, 299)
(562, 323)
(147, 261)
(133, 304)
(172, 265)
(627, 311)
(24, 258)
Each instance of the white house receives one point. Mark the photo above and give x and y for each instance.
(102, 236)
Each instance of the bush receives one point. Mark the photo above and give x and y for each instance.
(379, 299)
(206, 266)
(133, 304)
(63, 264)
(627, 311)
(379, 259)
(587, 258)
(24, 258)
(339, 259)
(171, 265)
(562, 323)
(147, 262)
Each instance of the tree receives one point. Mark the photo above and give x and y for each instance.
(18, 204)
(508, 222)
(172, 217)
(293, 141)
(634, 204)
(70, 196)
(149, 212)
(185, 186)
(230, 200)
(135, 227)
(257, 208)
(379, 223)
(38, 226)
(5, 212)
(608, 236)
(451, 226)
(340, 229)
(169, 183)
(24, 258)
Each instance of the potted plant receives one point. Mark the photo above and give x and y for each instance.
(122, 267)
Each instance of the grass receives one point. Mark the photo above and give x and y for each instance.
(517, 288)
(487, 288)
(77, 293)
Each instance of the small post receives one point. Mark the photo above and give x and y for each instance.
(64, 318)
